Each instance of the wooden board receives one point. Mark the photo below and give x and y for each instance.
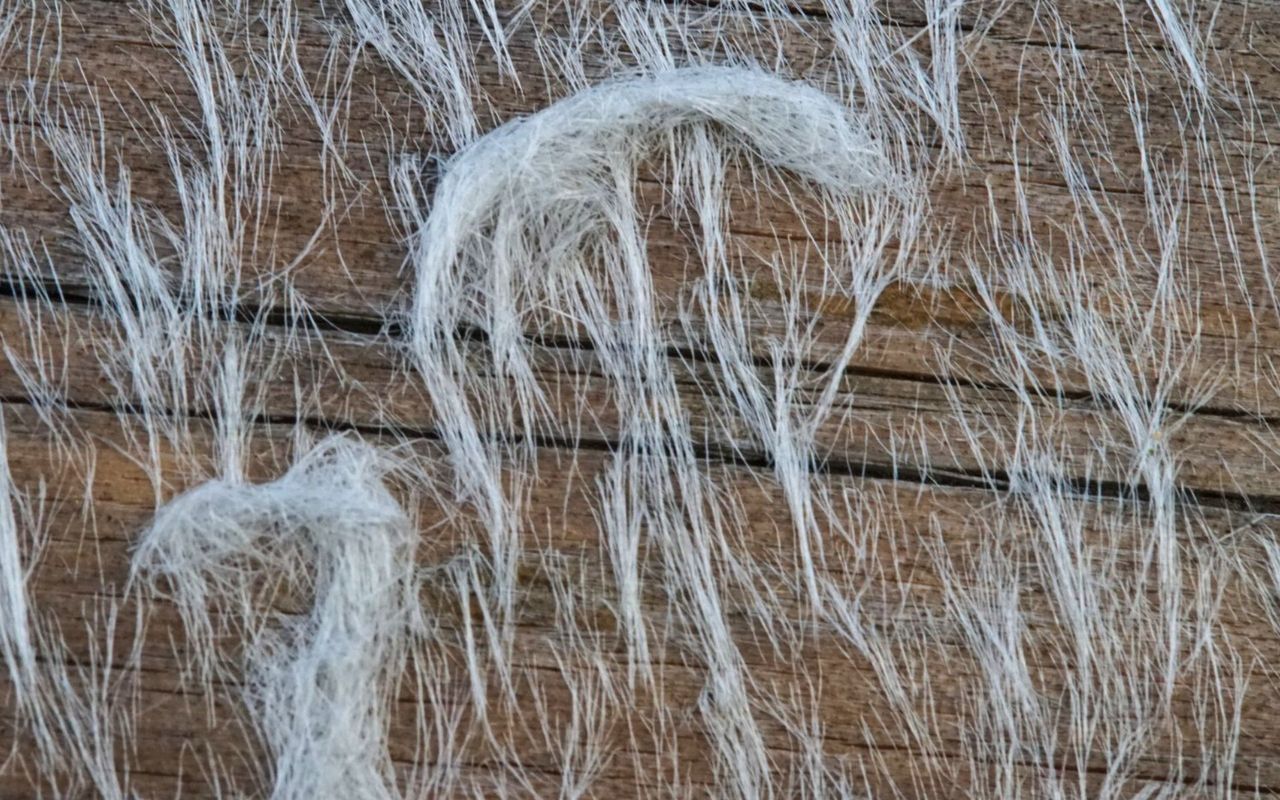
(932, 434)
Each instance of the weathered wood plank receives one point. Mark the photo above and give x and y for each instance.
(851, 693)
(356, 269)
(897, 406)
(879, 423)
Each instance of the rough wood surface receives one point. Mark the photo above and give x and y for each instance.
(895, 432)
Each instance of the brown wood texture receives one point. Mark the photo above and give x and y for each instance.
(896, 432)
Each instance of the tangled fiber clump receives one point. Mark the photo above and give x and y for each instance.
(317, 683)
(537, 220)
